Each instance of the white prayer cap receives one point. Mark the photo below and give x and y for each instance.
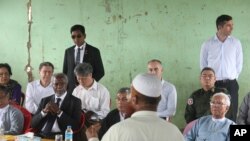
(147, 84)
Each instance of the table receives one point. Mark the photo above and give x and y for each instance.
(12, 138)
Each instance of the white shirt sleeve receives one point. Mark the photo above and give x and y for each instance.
(203, 56)
(29, 100)
(239, 59)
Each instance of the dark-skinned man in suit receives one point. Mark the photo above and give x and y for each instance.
(79, 53)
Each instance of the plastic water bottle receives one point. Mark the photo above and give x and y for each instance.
(68, 134)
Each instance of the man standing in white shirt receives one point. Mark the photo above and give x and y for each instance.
(224, 54)
(38, 89)
(167, 106)
(94, 96)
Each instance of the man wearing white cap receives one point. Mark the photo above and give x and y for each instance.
(144, 124)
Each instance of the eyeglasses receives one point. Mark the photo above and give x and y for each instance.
(122, 99)
(4, 74)
(217, 104)
(207, 76)
(76, 36)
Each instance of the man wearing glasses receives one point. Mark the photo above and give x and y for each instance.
(198, 103)
(79, 53)
(215, 126)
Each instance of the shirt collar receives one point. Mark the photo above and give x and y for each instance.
(162, 81)
(144, 113)
(38, 83)
(217, 39)
(94, 86)
(81, 47)
(219, 120)
(4, 109)
(62, 96)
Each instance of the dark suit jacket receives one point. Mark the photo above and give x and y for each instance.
(91, 55)
(112, 118)
(71, 107)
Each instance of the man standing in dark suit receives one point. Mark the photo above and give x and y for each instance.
(79, 53)
(57, 111)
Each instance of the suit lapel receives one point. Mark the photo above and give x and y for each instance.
(66, 102)
(72, 55)
(86, 52)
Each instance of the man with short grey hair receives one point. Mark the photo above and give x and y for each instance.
(94, 96)
(213, 127)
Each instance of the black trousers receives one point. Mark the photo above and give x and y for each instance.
(233, 87)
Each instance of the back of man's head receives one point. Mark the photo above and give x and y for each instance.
(147, 90)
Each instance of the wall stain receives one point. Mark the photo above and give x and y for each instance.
(107, 6)
(114, 18)
(109, 62)
(120, 17)
(203, 6)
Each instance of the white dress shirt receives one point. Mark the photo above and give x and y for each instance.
(168, 102)
(34, 94)
(96, 99)
(226, 58)
(142, 126)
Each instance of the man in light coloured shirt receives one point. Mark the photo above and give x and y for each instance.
(214, 127)
(144, 124)
(38, 89)
(167, 106)
(11, 119)
(94, 96)
(224, 54)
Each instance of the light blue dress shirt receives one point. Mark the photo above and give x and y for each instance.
(208, 129)
(226, 58)
(167, 104)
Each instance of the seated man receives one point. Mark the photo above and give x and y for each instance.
(38, 89)
(213, 127)
(94, 96)
(11, 118)
(198, 103)
(167, 106)
(144, 124)
(117, 114)
(57, 111)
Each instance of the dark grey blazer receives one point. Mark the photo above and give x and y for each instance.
(71, 107)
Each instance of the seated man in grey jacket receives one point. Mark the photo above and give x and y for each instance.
(11, 119)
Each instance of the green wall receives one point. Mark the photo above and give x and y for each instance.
(128, 34)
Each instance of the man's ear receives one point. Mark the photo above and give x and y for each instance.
(134, 99)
